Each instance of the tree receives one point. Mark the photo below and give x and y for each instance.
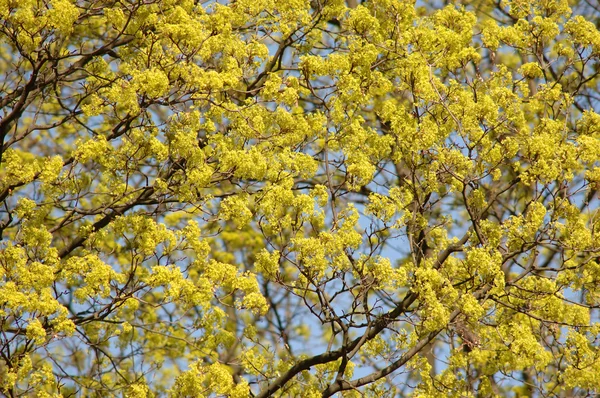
(261, 198)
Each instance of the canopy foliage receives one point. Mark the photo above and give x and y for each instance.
(256, 198)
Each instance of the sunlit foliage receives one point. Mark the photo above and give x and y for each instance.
(255, 198)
